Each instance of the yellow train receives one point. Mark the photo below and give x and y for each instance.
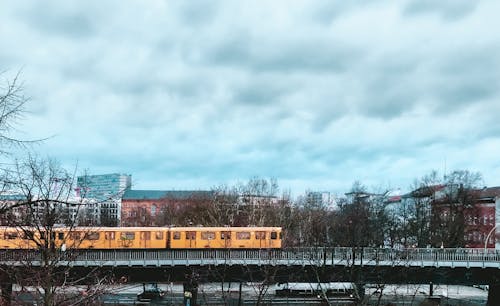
(144, 238)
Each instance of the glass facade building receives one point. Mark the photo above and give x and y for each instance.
(107, 189)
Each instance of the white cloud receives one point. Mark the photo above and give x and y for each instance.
(189, 95)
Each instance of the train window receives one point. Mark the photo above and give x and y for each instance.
(260, 235)
(207, 235)
(243, 235)
(145, 235)
(159, 235)
(274, 235)
(225, 235)
(42, 235)
(127, 236)
(176, 235)
(60, 236)
(92, 236)
(28, 235)
(190, 235)
(10, 235)
(74, 235)
(109, 235)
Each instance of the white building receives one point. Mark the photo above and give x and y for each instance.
(107, 189)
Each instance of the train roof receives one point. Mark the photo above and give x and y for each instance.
(143, 228)
(231, 228)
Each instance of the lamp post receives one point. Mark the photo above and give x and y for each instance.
(488, 237)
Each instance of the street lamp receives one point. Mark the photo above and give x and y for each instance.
(488, 236)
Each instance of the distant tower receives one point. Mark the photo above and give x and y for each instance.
(107, 189)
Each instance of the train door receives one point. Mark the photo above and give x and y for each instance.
(174, 240)
(160, 240)
(109, 238)
(225, 237)
(273, 242)
(260, 237)
(145, 239)
(190, 239)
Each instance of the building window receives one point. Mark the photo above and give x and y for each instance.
(153, 210)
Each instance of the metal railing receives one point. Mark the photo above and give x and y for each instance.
(295, 256)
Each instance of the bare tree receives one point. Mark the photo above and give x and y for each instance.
(415, 214)
(12, 103)
(253, 203)
(255, 198)
(47, 191)
(12, 108)
(139, 216)
(354, 220)
(436, 209)
(224, 209)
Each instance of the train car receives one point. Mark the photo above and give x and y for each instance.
(117, 238)
(14, 238)
(143, 237)
(225, 237)
(86, 237)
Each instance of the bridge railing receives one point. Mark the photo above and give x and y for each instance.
(295, 256)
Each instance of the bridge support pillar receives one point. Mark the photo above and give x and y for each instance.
(360, 289)
(6, 295)
(190, 287)
(493, 295)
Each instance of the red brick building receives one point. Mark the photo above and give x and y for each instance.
(477, 207)
(481, 220)
(152, 207)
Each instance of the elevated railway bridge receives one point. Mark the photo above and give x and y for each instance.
(312, 256)
(359, 265)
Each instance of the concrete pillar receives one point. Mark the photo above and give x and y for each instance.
(6, 295)
(190, 287)
(360, 289)
(493, 295)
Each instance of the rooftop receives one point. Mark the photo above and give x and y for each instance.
(164, 194)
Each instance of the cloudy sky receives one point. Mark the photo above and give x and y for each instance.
(317, 94)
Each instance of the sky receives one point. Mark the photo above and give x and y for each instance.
(189, 95)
